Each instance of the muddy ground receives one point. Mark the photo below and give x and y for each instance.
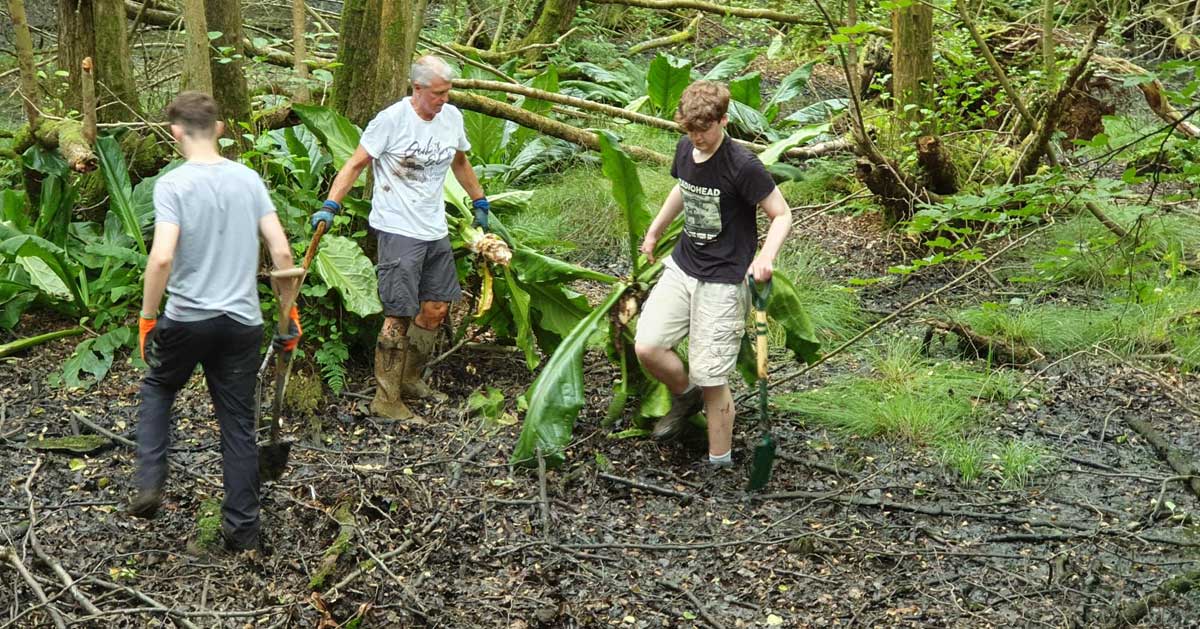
(850, 532)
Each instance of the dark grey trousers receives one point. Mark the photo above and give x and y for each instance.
(229, 352)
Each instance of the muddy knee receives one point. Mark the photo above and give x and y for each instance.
(432, 314)
(394, 329)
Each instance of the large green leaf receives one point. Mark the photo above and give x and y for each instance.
(749, 119)
(92, 359)
(143, 197)
(533, 268)
(785, 307)
(790, 87)
(802, 136)
(120, 190)
(54, 259)
(486, 135)
(557, 394)
(12, 210)
(747, 90)
(819, 112)
(665, 82)
(335, 131)
(620, 169)
(518, 304)
(731, 65)
(342, 265)
(559, 309)
(547, 82)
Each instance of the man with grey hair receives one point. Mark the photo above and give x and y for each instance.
(410, 146)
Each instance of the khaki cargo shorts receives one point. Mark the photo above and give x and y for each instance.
(712, 315)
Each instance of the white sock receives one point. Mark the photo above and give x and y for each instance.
(717, 459)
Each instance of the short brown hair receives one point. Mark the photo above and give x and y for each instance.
(702, 104)
(196, 112)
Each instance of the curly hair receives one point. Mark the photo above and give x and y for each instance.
(702, 104)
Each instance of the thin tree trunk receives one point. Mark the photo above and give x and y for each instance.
(229, 79)
(24, 44)
(300, 50)
(912, 58)
(197, 75)
(554, 18)
(354, 80)
(399, 23)
(89, 100)
(116, 91)
(1050, 67)
(76, 40)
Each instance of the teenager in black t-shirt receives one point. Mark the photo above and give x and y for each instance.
(701, 293)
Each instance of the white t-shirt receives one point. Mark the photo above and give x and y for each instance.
(411, 157)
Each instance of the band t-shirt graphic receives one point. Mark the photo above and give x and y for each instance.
(720, 198)
(411, 158)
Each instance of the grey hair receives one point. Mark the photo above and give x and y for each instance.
(428, 68)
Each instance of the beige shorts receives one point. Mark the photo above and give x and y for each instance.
(712, 315)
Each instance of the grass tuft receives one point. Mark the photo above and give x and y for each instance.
(834, 310)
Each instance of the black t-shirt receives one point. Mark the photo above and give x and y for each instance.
(720, 197)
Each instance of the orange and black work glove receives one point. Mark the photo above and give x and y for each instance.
(288, 342)
(145, 332)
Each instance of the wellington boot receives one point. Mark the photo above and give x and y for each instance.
(421, 343)
(389, 372)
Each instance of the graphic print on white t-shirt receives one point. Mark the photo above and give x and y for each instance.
(411, 160)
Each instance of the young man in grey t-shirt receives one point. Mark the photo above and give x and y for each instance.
(411, 146)
(208, 216)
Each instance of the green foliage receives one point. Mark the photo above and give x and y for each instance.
(966, 457)
(665, 82)
(341, 263)
(1018, 461)
(834, 310)
(303, 395)
(905, 397)
(120, 190)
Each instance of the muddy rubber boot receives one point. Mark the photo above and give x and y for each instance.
(389, 373)
(421, 343)
(683, 406)
(145, 503)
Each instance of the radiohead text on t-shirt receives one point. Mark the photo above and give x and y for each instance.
(720, 196)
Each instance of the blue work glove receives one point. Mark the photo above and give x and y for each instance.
(325, 214)
(482, 207)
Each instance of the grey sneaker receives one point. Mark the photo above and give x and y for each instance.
(683, 406)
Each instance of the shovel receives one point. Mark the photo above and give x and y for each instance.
(764, 452)
(273, 457)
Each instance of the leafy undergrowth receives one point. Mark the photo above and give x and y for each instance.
(1165, 324)
(907, 397)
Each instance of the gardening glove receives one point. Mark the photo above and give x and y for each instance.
(145, 332)
(325, 214)
(482, 207)
(288, 342)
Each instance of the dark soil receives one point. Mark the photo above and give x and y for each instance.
(850, 532)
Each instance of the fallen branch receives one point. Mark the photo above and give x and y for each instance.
(687, 34)
(691, 596)
(56, 567)
(346, 529)
(643, 486)
(717, 9)
(1152, 90)
(1175, 458)
(1000, 351)
(1133, 612)
(542, 124)
(798, 153)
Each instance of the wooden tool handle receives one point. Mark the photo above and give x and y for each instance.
(312, 245)
(760, 331)
(297, 274)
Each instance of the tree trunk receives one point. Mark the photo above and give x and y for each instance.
(300, 50)
(354, 79)
(116, 91)
(399, 23)
(197, 75)
(76, 40)
(229, 79)
(24, 44)
(912, 58)
(554, 18)
(96, 29)
(939, 172)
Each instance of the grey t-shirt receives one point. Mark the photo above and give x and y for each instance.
(217, 207)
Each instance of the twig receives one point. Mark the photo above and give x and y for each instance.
(55, 566)
(545, 503)
(695, 601)
(654, 489)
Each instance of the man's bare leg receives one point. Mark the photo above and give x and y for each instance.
(720, 412)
